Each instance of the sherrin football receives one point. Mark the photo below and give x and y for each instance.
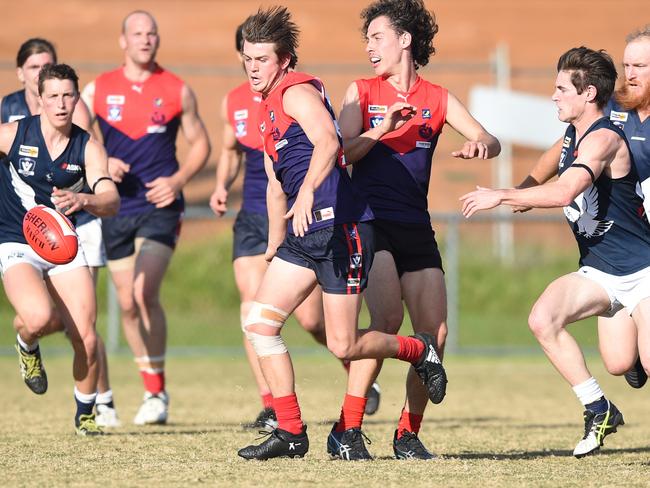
(50, 234)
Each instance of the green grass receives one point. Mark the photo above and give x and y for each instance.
(505, 422)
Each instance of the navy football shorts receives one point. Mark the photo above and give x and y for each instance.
(341, 256)
(250, 234)
(413, 246)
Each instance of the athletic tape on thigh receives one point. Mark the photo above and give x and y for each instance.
(265, 345)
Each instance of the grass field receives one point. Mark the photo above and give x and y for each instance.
(505, 422)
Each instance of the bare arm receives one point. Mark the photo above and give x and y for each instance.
(304, 103)
(276, 203)
(165, 189)
(81, 116)
(7, 136)
(358, 143)
(597, 151)
(105, 201)
(227, 167)
(480, 143)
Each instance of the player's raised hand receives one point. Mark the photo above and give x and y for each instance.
(472, 149)
(397, 115)
(300, 212)
(162, 191)
(480, 199)
(117, 169)
(219, 201)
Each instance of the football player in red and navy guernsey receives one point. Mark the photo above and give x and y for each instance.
(139, 108)
(320, 231)
(47, 160)
(241, 140)
(390, 126)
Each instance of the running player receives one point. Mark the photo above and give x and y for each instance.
(139, 108)
(241, 138)
(32, 55)
(629, 109)
(319, 232)
(46, 160)
(597, 188)
(390, 126)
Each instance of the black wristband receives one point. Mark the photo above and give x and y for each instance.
(98, 180)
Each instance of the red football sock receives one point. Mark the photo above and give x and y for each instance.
(154, 383)
(287, 411)
(267, 400)
(351, 413)
(408, 422)
(410, 349)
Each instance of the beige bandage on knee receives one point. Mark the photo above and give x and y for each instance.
(265, 345)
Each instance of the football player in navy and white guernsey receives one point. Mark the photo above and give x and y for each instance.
(241, 140)
(390, 126)
(597, 186)
(319, 232)
(139, 108)
(32, 55)
(47, 160)
(629, 109)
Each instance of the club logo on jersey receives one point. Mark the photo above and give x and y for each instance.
(240, 114)
(355, 261)
(156, 129)
(158, 118)
(615, 116)
(425, 131)
(281, 144)
(376, 120)
(324, 214)
(115, 100)
(272, 116)
(14, 118)
(158, 102)
(567, 141)
(276, 134)
(583, 213)
(423, 144)
(114, 113)
(377, 109)
(71, 168)
(354, 281)
(426, 113)
(29, 151)
(240, 128)
(352, 233)
(26, 166)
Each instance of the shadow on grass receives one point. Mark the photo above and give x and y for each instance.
(515, 456)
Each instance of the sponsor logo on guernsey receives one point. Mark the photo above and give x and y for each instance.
(14, 118)
(562, 158)
(376, 120)
(257, 98)
(423, 144)
(156, 129)
(637, 138)
(137, 88)
(158, 102)
(355, 260)
(377, 109)
(115, 100)
(618, 116)
(425, 131)
(567, 141)
(324, 214)
(240, 128)
(114, 113)
(30, 151)
(71, 168)
(240, 114)
(26, 166)
(354, 281)
(276, 134)
(426, 113)
(281, 144)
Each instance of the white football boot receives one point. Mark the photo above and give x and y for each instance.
(154, 409)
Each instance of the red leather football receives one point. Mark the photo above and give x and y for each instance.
(50, 234)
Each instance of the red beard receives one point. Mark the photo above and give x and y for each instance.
(632, 101)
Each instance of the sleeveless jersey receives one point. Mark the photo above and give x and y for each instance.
(335, 201)
(607, 218)
(139, 123)
(14, 107)
(243, 105)
(394, 175)
(28, 174)
(637, 134)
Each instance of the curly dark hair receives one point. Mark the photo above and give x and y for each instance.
(409, 16)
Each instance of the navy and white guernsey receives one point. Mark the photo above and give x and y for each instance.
(638, 138)
(607, 218)
(28, 174)
(14, 107)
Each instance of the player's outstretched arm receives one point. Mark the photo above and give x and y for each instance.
(304, 104)
(228, 165)
(480, 143)
(276, 204)
(357, 143)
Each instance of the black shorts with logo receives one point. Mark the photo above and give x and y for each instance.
(413, 246)
(250, 234)
(162, 225)
(341, 256)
